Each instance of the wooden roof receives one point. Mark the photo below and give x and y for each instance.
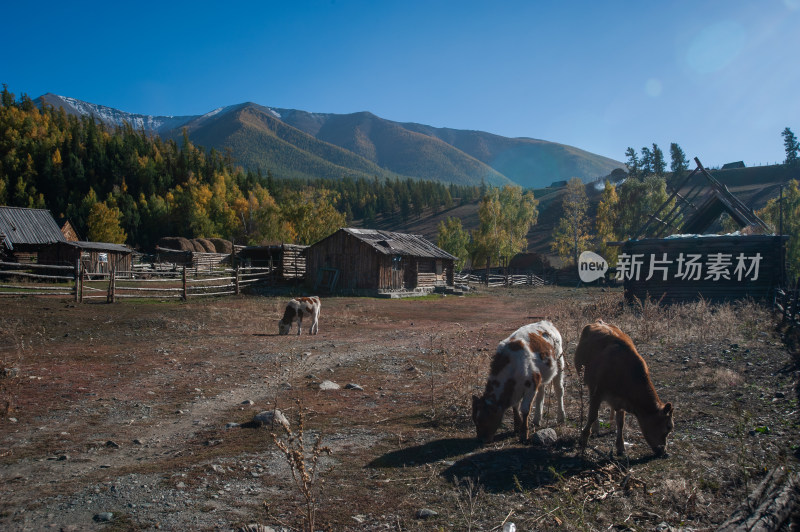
(103, 247)
(29, 226)
(389, 243)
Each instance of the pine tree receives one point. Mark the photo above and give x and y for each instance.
(658, 163)
(646, 163)
(791, 146)
(678, 161)
(632, 163)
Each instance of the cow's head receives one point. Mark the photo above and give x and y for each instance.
(487, 416)
(656, 428)
(288, 317)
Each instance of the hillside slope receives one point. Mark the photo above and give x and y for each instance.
(258, 139)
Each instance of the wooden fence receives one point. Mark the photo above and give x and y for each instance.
(498, 279)
(183, 283)
(42, 279)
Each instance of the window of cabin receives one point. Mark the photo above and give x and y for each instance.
(397, 263)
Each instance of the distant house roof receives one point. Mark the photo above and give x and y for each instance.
(737, 164)
(29, 226)
(390, 243)
(99, 246)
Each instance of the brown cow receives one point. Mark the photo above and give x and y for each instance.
(616, 373)
(524, 364)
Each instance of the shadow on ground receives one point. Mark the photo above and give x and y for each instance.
(505, 469)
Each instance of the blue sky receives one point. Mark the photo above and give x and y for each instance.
(720, 78)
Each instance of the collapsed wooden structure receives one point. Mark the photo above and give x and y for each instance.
(671, 259)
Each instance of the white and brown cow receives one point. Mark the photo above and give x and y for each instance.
(523, 365)
(617, 375)
(296, 310)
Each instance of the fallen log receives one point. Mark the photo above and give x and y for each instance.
(769, 506)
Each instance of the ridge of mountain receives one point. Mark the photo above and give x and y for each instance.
(295, 143)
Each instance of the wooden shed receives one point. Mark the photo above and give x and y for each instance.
(371, 261)
(95, 257)
(673, 259)
(25, 232)
(287, 262)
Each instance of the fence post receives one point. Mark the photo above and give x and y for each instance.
(83, 280)
(236, 279)
(78, 288)
(183, 277)
(110, 296)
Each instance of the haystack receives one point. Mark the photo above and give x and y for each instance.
(177, 243)
(222, 245)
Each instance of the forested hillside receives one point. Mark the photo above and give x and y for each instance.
(124, 185)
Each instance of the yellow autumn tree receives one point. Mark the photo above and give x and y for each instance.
(104, 224)
(506, 215)
(312, 214)
(790, 224)
(606, 223)
(261, 220)
(572, 236)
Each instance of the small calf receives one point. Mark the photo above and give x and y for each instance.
(296, 310)
(523, 365)
(616, 373)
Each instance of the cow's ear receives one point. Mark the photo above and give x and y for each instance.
(668, 409)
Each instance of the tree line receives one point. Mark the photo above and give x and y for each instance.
(506, 215)
(122, 185)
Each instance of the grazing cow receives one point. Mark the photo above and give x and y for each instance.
(523, 365)
(296, 310)
(616, 373)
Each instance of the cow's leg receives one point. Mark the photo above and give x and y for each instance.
(527, 401)
(538, 403)
(594, 406)
(517, 419)
(559, 386)
(299, 324)
(315, 323)
(620, 429)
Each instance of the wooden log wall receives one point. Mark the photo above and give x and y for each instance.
(718, 278)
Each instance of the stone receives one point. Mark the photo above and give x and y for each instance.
(352, 386)
(270, 418)
(232, 425)
(328, 385)
(426, 513)
(247, 402)
(104, 517)
(544, 437)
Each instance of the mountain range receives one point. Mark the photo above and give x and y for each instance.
(299, 144)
